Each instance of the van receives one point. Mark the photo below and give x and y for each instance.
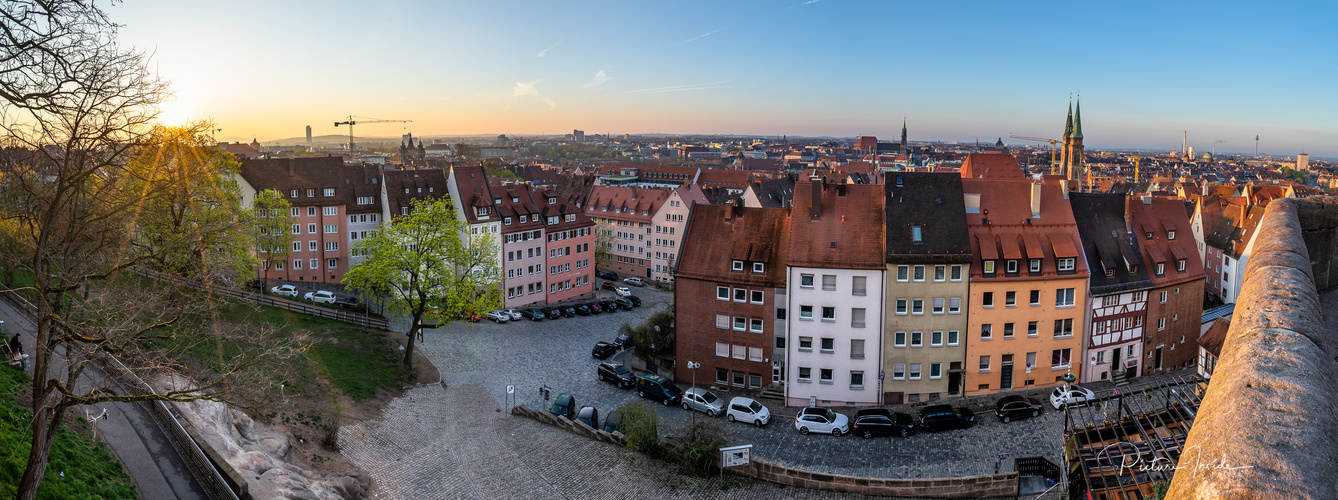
(658, 388)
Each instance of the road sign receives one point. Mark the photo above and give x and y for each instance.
(510, 389)
(1003, 456)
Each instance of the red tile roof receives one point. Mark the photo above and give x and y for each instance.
(728, 179)
(991, 166)
(625, 203)
(719, 234)
(1159, 216)
(1213, 339)
(848, 232)
(1006, 203)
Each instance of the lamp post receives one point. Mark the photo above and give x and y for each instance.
(693, 365)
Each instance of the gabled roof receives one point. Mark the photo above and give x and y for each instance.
(626, 203)
(991, 166)
(317, 173)
(775, 192)
(1213, 339)
(1234, 229)
(933, 202)
(424, 183)
(847, 232)
(1112, 250)
(1161, 216)
(717, 235)
(1007, 205)
(729, 179)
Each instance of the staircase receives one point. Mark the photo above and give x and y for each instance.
(773, 391)
(1118, 377)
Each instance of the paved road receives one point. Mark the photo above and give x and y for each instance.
(131, 433)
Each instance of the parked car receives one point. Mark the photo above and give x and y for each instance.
(624, 341)
(636, 301)
(320, 297)
(285, 290)
(634, 281)
(595, 307)
(821, 420)
(1076, 396)
(515, 314)
(615, 373)
(942, 417)
(614, 422)
(603, 350)
(658, 388)
(583, 310)
(588, 415)
(568, 311)
(499, 316)
(608, 305)
(473, 317)
(348, 303)
(622, 291)
(623, 303)
(747, 410)
(608, 275)
(872, 422)
(533, 314)
(553, 312)
(564, 405)
(607, 285)
(703, 401)
(1016, 406)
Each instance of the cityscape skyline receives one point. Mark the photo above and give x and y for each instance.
(814, 68)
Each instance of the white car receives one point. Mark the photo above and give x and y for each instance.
(285, 290)
(499, 316)
(634, 281)
(704, 401)
(747, 410)
(515, 314)
(321, 297)
(1076, 396)
(622, 291)
(823, 420)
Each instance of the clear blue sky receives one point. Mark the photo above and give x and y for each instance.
(1146, 71)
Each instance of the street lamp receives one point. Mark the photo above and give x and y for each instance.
(693, 365)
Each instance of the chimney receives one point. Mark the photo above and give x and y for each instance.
(1035, 199)
(729, 210)
(290, 167)
(816, 210)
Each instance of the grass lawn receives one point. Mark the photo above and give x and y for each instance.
(90, 471)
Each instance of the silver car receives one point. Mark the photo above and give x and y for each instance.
(703, 401)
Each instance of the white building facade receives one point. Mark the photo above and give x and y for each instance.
(834, 336)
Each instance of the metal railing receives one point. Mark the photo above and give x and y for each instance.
(360, 319)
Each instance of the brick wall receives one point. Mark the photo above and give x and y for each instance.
(1188, 307)
(697, 332)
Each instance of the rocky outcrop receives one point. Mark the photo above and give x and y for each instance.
(260, 455)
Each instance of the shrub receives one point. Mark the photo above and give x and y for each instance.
(641, 427)
(701, 442)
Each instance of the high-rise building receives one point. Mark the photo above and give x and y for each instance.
(1303, 162)
(578, 135)
(308, 134)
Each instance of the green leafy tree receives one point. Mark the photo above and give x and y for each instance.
(425, 262)
(271, 219)
(603, 242)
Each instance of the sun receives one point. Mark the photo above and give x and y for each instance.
(173, 113)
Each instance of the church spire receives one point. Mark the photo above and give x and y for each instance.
(1068, 124)
(1077, 122)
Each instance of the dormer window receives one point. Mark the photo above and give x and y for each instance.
(1180, 265)
(524, 219)
(293, 193)
(495, 201)
(1065, 264)
(1034, 265)
(506, 221)
(1148, 235)
(1161, 269)
(758, 267)
(989, 267)
(552, 220)
(311, 193)
(329, 192)
(1170, 235)
(552, 201)
(1010, 266)
(738, 266)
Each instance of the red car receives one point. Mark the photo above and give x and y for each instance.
(475, 318)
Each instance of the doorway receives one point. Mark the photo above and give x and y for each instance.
(954, 383)
(1157, 360)
(1006, 377)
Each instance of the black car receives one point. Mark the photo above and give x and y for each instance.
(608, 275)
(615, 373)
(623, 303)
(588, 415)
(1017, 406)
(624, 341)
(582, 310)
(603, 350)
(564, 405)
(532, 314)
(881, 422)
(348, 303)
(255, 285)
(608, 305)
(636, 301)
(942, 417)
(553, 312)
(614, 422)
(568, 311)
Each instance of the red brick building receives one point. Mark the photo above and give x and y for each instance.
(1175, 303)
(732, 266)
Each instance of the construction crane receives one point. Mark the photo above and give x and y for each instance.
(1135, 159)
(351, 122)
(1053, 166)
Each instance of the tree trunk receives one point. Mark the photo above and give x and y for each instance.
(46, 421)
(406, 364)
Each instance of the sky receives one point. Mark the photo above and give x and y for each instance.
(1146, 72)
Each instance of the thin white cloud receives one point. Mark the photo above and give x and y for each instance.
(810, 2)
(525, 89)
(681, 88)
(698, 37)
(554, 46)
(598, 81)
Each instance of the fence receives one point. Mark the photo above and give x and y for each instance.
(205, 470)
(360, 319)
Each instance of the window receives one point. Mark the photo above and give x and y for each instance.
(758, 267)
(915, 371)
(1161, 269)
(940, 273)
(1035, 297)
(1163, 296)
(987, 299)
(919, 273)
(755, 325)
(828, 344)
(1059, 358)
(986, 331)
(327, 192)
(780, 313)
(917, 306)
(722, 321)
(738, 266)
(806, 313)
(721, 376)
(1008, 330)
(828, 313)
(293, 194)
(1161, 323)
(915, 234)
(935, 371)
(311, 193)
(984, 364)
(828, 282)
(857, 317)
(899, 339)
(754, 353)
(332, 246)
(755, 296)
(957, 273)
(297, 263)
(1064, 297)
(1138, 296)
(297, 246)
(311, 229)
(898, 371)
(1066, 264)
(1063, 328)
(859, 285)
(1110, 300)
(740, 352)
(938, 305)
(330, 263)
(805, 374)
(331, 228)
(806, 281)
(856, 380)
(917, 339)
(1010, 299)
(366, 200)
(740, 295)
(952, 338)
(1010, 266)
(901, 306)
(936, 338)
(740, 324)
(1034, 265)
(722, 293)
(1170, 235)
(954, 305)
(1180, 265)
(806, 344)
(903, 273)
(826, 374)
(311, 245)
(989, 267)
(330, 211)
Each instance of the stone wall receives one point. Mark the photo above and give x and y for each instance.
(1319, 228)
(573, 426)
(1268, 426)
(998, 485)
